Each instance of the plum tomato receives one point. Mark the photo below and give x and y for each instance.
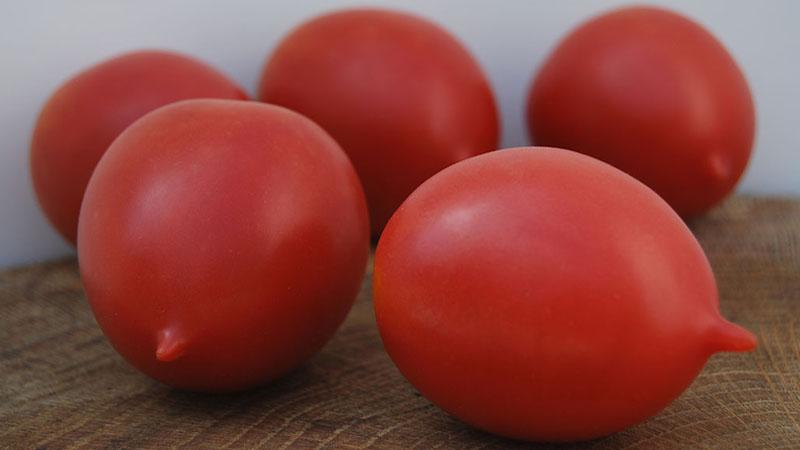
(541, 294)
(653, 94)
(82, 118)
(222, 242)
(400, 94)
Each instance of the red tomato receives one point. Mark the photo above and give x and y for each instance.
(541, 294)
(221, 242)
(401, 95)
(82, 118)
(655, 95)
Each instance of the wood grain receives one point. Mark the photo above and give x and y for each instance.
(62, 386)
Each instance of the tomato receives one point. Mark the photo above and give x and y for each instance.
(653, 94)
(222, 242)
(541, 294)
(401, 95)
(82, 118)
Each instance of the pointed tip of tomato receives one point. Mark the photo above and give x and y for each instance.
(170, 346)
(729, 337)
(719, 168)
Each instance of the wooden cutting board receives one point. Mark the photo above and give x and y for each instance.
(61, 384)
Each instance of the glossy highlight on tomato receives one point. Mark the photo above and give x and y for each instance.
(85, 114)
(654, 94)
(221, 242)
(400, 94)
(541, 294)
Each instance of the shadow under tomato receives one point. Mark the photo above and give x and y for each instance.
(282, 390)
(461, 431)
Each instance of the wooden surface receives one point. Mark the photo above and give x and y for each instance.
(61, 384)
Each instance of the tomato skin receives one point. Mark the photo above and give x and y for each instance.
(543, 295)
(221, 242)
(401, 95)
(655, 95)
(82, 118)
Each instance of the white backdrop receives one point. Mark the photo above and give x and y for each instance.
(44, 42)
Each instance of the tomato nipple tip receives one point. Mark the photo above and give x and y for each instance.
(170, 347)
(719, 167)
(729, 337)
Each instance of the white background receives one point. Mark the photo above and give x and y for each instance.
(44, 42)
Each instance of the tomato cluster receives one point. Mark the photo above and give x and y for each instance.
(537, 293)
